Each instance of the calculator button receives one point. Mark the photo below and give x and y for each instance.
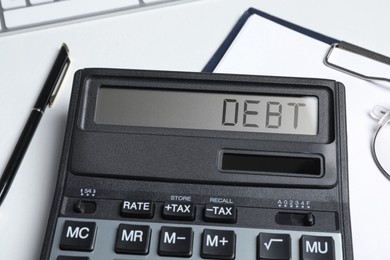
(317, 248)
(133, 239)
(274, 246)
(137, 209)
(179, 210)
(218, 244)
(176, 241)
(72, 258)
(220, 213)
(78, 236)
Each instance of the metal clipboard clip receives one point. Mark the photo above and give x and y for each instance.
(359, 51)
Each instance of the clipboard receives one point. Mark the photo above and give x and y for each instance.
(333, 42)
(263, 44)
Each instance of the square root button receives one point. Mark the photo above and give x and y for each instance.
(274, 246)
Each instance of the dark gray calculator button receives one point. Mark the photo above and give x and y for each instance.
(78, 236)
(223, 213)
(72, 258)
(179, 210)
(133, 239)
(137, 209)
(218, 244)
(317, 248)
(175, 241)
(274, 246)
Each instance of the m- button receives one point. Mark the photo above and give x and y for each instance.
(78, 236)
(224, 213)
(176, 241)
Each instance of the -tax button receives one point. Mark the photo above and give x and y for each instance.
(78, 236)
(223, 213)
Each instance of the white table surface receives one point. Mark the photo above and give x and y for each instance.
(180, 37)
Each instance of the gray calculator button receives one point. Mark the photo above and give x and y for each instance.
(78, 236)
(133, 239)
(176, 241)
(317, 248)
(274, 246)
(218, 244)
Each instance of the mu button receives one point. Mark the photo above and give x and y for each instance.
(78, 236)
(176, 241)
(218, 244)
(317, 248)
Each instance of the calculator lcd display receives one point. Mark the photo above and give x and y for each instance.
(207, 111)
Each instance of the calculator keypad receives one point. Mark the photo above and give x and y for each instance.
(125, 239)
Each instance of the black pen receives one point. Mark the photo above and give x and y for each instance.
(46, 97)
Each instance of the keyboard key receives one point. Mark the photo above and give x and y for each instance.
(7, 4)
(78, 236)
(133, 239)
(273, 246)
(72, 258)
(61, 10)
(220, 213)
(218, 244)
(317, 248)
(179, 210)
(137, 209)
(176, 241)
(34, 2)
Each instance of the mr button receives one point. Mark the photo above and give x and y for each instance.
(220, 213)
(78, 236)
(133, 239)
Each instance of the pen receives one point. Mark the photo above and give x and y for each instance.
(46, 97)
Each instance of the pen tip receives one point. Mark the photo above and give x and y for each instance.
(65, 47)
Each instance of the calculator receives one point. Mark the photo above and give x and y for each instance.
(181, 165)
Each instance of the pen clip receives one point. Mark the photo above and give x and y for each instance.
(61, 77)
(359, 51)
(58, 85)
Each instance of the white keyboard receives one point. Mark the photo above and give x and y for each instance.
(16, 15)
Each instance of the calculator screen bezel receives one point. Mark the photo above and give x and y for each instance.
(324, 95)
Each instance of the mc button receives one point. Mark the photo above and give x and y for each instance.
(78, 236)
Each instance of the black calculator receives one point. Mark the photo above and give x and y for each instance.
(180, 165)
